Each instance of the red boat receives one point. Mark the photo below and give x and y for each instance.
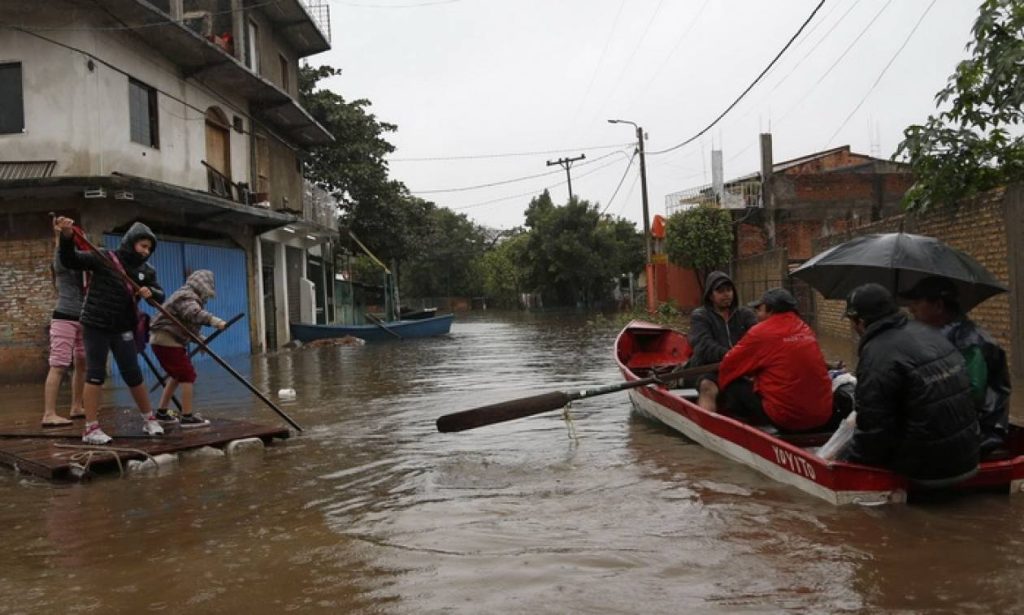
(644, 349)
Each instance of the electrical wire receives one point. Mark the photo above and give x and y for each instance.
(748, 88)
(509, 154)
(679, 41)
(882, 74)
(838, 60)
(622, 179)
(533, 192)
(600, 60)
(511, 181)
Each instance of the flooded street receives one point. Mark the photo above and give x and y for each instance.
(370, 510)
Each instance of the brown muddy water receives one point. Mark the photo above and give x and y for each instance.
(371, 511)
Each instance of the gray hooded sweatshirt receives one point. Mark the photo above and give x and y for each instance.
(188, 305)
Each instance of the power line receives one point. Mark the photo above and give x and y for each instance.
(600, 60)
(839, 59)
(532, 192)
(749, 87)
(622, 179)
(679, 41)
(882, 74)
(632, 54)
(507, 181)
(508, 154)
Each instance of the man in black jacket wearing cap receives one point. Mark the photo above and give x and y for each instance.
(914, 409)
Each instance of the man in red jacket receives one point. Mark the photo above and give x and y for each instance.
(781, 359)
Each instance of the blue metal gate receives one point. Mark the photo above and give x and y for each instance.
(174, 261)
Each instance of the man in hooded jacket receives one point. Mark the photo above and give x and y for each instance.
(715, 328)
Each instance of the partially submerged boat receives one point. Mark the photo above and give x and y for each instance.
(644, 349)
(378, 331)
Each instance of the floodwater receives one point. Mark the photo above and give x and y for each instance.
(369, 510)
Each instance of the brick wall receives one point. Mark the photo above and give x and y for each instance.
(26, 301)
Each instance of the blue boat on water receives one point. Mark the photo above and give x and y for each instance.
(380, 331)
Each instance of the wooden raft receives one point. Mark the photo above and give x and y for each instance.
(34, 450)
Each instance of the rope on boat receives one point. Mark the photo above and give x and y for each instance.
(83, 459)
(569, 423)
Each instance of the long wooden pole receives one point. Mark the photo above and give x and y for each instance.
(195, 338)
(545, 402)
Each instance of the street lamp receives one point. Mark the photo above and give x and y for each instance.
(643, 181)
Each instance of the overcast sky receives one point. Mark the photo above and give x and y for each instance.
(493, 80)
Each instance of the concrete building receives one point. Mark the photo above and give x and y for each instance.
(182, 114)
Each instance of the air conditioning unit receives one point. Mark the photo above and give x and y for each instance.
(200, 22)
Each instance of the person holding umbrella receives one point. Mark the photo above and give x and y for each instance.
(935, 302)
(914, 410)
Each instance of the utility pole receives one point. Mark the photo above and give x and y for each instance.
(567, 163)
(643, 191)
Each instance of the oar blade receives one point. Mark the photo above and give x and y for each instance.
(501, 412)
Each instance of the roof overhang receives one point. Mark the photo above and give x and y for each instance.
(302, 234)
(196, 208)
(201, 59)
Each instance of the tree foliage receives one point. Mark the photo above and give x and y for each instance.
(699, 238)
(970, 148)
(447, 260)
(503, 271)
(354, 170)
(574, 254)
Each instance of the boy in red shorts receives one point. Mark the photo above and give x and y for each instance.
(188, 305)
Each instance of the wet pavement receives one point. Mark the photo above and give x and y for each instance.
(369, 510)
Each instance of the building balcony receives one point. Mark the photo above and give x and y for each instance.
(201, 58)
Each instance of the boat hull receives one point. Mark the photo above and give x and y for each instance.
(641, 346)
(399, 329)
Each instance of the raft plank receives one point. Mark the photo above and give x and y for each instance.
(37, 452)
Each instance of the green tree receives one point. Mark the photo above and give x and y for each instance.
(354, 170)
(574, 254)
(969, 148)
(699, 238)
(503, 269)
(448, 249)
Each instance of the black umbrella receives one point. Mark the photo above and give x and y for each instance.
(897, 261)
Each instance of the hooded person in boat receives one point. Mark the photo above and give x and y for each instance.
(720, 323)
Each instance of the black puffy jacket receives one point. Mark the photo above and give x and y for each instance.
(711, 336)
(914, 408)
(107, 305)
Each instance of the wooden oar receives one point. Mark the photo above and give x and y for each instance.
(528, 406)
(195, 338)
(380, 323)
(160, 379)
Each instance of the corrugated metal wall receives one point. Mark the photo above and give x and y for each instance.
(174, 261)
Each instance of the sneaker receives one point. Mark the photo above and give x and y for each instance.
(151, 427)
(164, 415)
(193, 420)
(94, 435)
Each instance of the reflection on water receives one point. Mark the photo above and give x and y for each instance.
(369, 510)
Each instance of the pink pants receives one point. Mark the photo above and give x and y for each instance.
(66, 343)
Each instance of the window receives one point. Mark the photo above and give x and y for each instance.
(284, 71)
(252, 55)
(142, 114)
(12, 107)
